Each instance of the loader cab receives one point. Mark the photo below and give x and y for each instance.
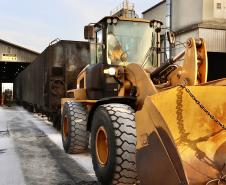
(116, 42)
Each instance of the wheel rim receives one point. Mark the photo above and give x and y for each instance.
(102, 146)
(65, 128)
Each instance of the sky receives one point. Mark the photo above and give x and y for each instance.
(35, 23)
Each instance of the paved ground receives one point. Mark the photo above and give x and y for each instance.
(31, 152)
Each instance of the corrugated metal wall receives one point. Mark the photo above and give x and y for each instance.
(215, 39)
(21, 54)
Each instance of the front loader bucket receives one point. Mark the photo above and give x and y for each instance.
(178, 142)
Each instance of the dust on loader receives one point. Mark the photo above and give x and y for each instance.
(153, 127)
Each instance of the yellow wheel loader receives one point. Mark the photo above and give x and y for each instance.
(149, 124)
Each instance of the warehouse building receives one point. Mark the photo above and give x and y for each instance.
(13, 59)
(196, 18)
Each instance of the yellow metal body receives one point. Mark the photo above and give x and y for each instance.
(192, 141)
(195, 65)
(177, 142)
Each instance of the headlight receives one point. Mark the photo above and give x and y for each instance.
(155, 24)
(158, 25)
(109, 21)
(115, 21)
(111, 71)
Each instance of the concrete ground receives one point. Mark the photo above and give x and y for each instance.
(31, 153)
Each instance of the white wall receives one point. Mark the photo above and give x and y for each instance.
(208, 6)
(186, 13)
(215, 39)
(158, 13)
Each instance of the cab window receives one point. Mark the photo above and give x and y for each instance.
(99, 44)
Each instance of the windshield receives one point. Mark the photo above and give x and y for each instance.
(131, 42)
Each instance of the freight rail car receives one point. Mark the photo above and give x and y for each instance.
(42, 84)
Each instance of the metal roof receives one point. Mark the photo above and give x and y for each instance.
(19, 47)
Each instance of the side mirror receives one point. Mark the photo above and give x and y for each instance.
(171, 37)
(89, 32)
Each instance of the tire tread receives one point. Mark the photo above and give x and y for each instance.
(123, 120)
(78, 134)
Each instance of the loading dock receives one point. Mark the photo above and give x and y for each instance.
(13, 59)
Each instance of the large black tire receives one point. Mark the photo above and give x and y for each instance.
(74, 132)
(117, 121)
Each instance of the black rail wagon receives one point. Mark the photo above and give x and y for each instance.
(42, 84)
